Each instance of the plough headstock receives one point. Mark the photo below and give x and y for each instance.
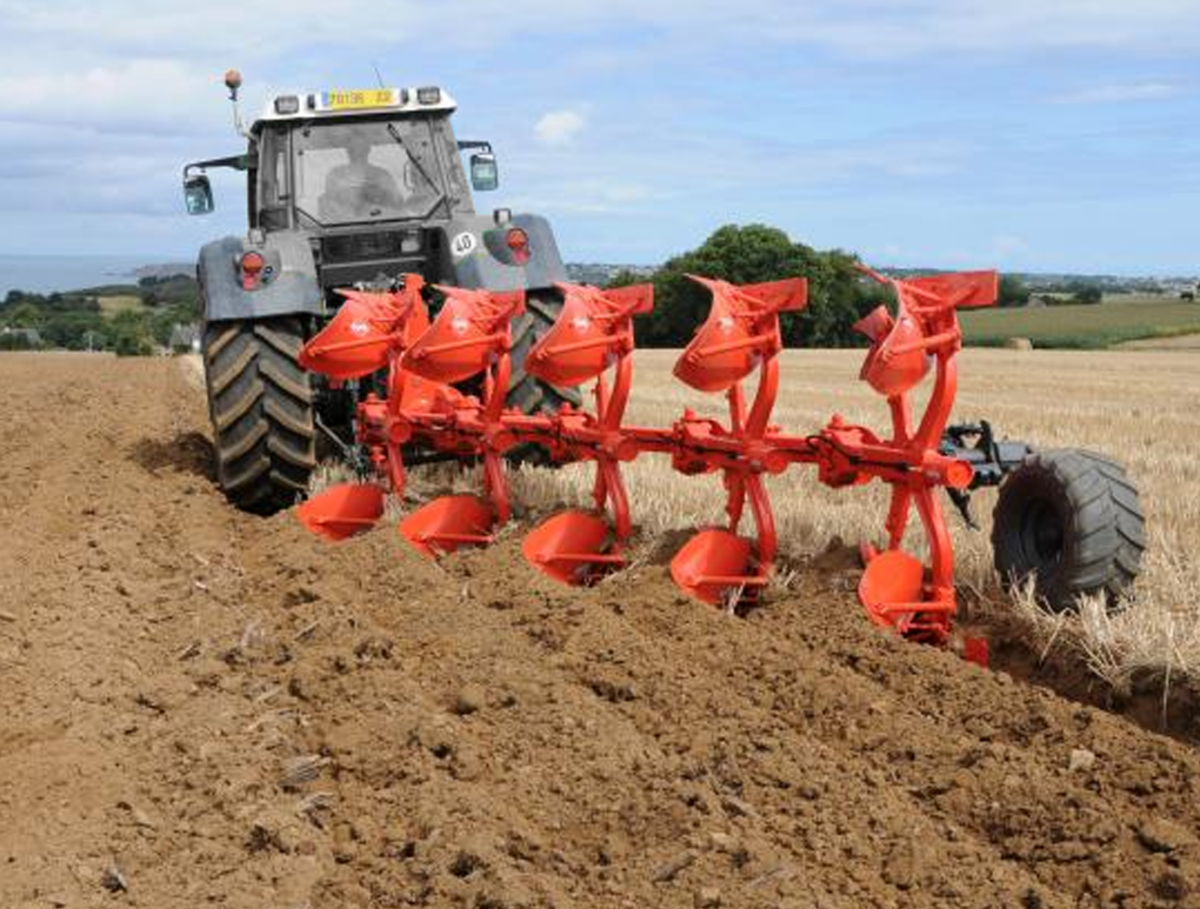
(593, 342)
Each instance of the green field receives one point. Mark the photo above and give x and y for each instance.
(111, 305)
(1117, 319)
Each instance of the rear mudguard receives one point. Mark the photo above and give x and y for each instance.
(475, 254)
(290, 288)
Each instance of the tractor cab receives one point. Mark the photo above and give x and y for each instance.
(332, 159)
(360, 172)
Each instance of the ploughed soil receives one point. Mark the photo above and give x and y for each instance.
(204, 708)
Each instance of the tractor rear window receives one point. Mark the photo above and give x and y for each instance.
(359, 171)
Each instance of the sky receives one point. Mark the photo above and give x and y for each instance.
(1032, 135)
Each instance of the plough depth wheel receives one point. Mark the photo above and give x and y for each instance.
(1069, 520)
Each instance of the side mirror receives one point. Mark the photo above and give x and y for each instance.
(485, 175)
(197, 195)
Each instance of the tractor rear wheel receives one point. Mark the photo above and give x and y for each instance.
(261, 403)
(1069, 519)
(527, 393)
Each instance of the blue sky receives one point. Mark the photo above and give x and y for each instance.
(1024, 134)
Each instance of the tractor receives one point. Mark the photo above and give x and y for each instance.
(344, 189)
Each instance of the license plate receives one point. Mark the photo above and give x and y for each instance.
(361, 99)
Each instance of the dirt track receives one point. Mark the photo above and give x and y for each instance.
(228, 712)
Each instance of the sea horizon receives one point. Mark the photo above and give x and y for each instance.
(49, 272)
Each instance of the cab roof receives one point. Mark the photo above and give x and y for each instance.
(337, 103)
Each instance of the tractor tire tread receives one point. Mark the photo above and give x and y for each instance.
(261, 404)
(528, 394)
(1102, 527)
(232, 370)
(237, 409)
(1131, 522)
(224, 334)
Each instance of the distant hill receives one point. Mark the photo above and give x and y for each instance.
(167, 270)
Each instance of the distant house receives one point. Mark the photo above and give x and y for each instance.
(20, 339)
(185, 338)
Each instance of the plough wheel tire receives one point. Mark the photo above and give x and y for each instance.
(260, 401)
(525, 392)
(1071, 520)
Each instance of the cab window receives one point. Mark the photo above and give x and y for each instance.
(273, 181)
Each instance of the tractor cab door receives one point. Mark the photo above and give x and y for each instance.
(269, 185)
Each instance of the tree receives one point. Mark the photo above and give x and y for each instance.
(750, 254)
(164, 319)
(16, 340)
(1013, 292)
(23, 315)
(70, 329)
(130, 334)
(1087, 294)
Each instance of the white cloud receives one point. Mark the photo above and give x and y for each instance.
(960, 28)
(118, 96)
(1119, 94)
(581, 195)
(559, 127)
(852, 27)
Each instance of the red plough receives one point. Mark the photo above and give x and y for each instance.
(593, 342)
